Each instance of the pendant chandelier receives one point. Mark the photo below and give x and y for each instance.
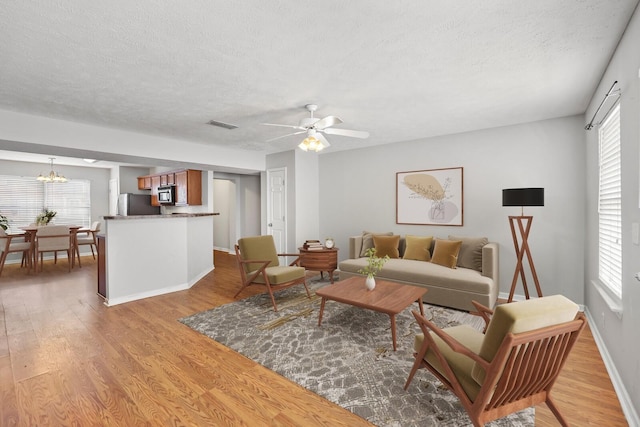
(52, 176)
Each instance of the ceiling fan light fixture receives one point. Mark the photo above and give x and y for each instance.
(311, 143)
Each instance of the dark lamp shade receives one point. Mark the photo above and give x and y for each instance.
(523, 197)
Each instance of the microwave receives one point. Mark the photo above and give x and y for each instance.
(167, 195)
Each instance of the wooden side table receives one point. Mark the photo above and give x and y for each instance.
(320, 260)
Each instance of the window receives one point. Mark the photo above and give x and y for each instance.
(610, 205)
(23, 198)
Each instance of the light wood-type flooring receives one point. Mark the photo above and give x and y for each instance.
(66, 359)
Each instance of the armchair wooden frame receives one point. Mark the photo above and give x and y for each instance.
(261, 271)
(520, 375)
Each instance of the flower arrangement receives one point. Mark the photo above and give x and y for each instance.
(4, 222)
(45, 217)
(374, 263)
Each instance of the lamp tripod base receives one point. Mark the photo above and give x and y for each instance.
(524, 226)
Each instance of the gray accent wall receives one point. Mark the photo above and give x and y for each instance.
(358, 192)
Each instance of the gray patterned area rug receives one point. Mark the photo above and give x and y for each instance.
(349, 360)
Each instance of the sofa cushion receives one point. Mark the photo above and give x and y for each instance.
(418, 248)
(387, 246)
(425, 273)
(470, 255)
(367, 240)
(445, 252)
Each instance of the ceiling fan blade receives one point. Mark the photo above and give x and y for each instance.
(284, 136)
(283, 126)
(327, 122)
(321, 137)
(346, 132)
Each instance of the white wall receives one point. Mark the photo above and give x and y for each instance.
(620, 335)
(224, 202)
(19, 129)
(357, 192)
(306, 197)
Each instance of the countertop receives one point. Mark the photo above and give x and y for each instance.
(173, 215)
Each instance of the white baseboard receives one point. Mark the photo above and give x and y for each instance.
(109, 302)
(624, 398)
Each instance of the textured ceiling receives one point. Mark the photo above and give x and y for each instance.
(401, 70)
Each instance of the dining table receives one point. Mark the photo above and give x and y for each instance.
(30, 236)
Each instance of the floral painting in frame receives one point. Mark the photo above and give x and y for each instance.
(429, 197)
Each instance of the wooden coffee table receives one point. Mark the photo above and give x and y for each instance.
(387, 297)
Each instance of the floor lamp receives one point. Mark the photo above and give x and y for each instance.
(522, 197)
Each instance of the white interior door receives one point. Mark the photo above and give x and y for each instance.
(277, 207)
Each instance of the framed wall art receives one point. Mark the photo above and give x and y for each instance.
(429, 197)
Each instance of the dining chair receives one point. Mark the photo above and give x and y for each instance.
(54, 238)
(258, 261)
(89, 238)
(14, 243)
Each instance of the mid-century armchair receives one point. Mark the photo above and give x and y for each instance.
(512, 365)
(258, 261)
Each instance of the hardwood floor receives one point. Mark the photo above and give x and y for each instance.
(66, 359)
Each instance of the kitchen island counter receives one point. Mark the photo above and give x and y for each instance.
(149, 255)
(172, 215)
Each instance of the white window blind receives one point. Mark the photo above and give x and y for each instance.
(23, 198)
(610, 205)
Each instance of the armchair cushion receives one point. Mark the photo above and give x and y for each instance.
(259, 248)
(281, 274)
(460, 364)
(522, 316)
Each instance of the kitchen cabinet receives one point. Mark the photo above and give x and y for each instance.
(155, 183)
(102, 266)
(144, 182)
(188, 184)
(168, 179)
(188, 187)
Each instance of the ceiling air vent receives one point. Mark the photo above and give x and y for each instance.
(222, 124)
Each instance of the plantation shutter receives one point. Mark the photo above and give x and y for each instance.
(610, 205)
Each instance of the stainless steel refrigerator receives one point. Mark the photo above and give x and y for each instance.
(136, 204)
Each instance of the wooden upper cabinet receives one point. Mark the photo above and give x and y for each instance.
(188, 187)
(144, 182)
(155, 183)
(188, 184)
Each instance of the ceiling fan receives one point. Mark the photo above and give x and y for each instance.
(314, 128)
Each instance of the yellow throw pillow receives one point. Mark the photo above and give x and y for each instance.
(445, 252)
(418, 248)
(387, 245)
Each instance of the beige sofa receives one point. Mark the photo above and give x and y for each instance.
(450, 287)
